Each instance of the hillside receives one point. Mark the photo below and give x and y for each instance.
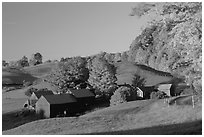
(41, 69)
(135, 117)
(15, 76)
(168, 50)
(126, 72)
(171, 39)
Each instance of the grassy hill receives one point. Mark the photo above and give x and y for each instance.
(127, 70)
(137, 117)
(15, 76)
(41, 69)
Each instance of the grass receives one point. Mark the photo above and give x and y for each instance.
(9, 77)
(188, 128)
(126, 72)
(41, 69)
(11, 120)
(136, 117)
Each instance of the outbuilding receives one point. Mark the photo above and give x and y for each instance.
(36, 95)
(84, 97)
(56, 105)
(166, 88)
(140, 93)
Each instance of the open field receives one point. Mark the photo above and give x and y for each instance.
(41, 69)
(126, 72)
(13, 100)
(135, 117)
(16, 77)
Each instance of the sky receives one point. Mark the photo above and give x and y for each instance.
(66, 29)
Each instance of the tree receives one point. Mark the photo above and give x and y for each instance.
(117, 57)
(48, 61)
(4, 63)
(158, 95)
(102, 75)
(124, 56)
(24, 61)
(36, 59)
(137, 81)
(171, 39)
(69, 74)
(123, 94)
(30, 91)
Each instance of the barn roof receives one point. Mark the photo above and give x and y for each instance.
(164, 86)
(82, 93)
(60, 98)
(45, 92)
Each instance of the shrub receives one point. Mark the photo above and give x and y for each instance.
(27, 83)
(35, 59)
(122, 95)
(158, 95)
(40, 114)
(29, 91)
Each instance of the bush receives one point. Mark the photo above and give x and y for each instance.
(122, 95)
(27, 83)
(29, 91)
(158, 95)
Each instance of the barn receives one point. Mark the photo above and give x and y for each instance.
(36, 95)
(56, 105)
(84, 97)
(166, 88)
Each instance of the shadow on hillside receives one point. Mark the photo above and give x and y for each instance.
(188, 128)
(182, 100)
(18, 79)
(13, 119)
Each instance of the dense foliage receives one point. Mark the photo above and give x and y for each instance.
(171, 40)
(137, 81)
(69, 74)
(24, 62)
(30, 91)
(102, 75)
(4, 63)
(36, 59)
(123, 94)
(158, 95)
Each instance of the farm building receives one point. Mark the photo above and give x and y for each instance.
(84, 97)
(166, 88)
(140, 93)
(36, 95)
(147, 91)
(54, 105)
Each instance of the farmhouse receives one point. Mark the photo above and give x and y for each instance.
(55, 105)
(36, 95)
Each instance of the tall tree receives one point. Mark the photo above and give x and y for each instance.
(102, 76)
(69, 74)
(4, 63)
(24, 61)
(36, 59)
